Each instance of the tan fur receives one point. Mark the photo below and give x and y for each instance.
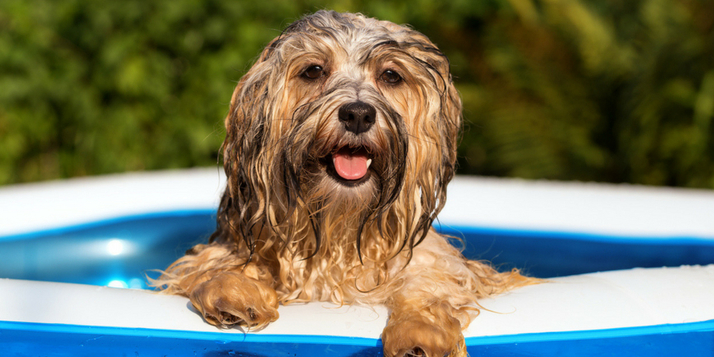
(290, 231)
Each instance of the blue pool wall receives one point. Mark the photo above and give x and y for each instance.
(148, 242)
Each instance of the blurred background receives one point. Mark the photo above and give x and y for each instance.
(589, 90)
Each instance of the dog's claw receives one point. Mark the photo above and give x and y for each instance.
(228, 319)
(415, 352)
(251, 314)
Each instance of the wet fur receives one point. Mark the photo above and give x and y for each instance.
(289, 231)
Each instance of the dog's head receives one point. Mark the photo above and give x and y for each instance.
(344, 123)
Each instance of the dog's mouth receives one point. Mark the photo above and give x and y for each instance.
(349, 164)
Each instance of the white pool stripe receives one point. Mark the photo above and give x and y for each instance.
(41, 206)
(599, 301)
(602, 209)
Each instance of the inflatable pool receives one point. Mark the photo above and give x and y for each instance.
(630, 271)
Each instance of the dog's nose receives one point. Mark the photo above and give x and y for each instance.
(358, 116)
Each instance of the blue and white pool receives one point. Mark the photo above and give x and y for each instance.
(629, 268)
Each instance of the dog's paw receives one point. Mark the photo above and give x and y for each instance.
(411, 334)
(231, 298)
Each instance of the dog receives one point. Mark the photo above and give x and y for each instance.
(340, 141)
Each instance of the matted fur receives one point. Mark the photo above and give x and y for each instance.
(290, 230)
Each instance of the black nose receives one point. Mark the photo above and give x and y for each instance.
(358, 116)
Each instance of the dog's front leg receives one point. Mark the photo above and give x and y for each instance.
(422, 325)
(225, 292)
(435, 297)
(236, 297)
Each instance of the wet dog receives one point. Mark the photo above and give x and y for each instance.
(340, 142)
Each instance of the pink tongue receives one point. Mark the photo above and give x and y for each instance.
(350, 166)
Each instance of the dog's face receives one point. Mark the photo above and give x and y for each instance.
(342, 117)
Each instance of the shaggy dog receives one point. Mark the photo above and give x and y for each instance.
(340, 142)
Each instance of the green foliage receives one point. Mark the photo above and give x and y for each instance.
(603, 90)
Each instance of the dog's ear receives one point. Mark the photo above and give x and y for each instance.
(440, 127)
(448, 120)
(450, 125)
(246, 126)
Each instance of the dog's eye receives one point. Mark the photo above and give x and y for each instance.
(390, 77)
(313, 72)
